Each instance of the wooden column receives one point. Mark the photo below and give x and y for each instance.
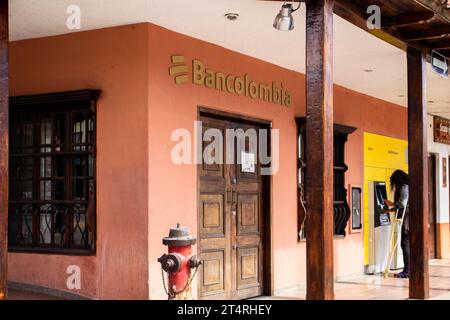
(4, 130)
(418, 175)
(319, 149)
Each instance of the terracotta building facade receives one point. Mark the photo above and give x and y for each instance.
(140, 192)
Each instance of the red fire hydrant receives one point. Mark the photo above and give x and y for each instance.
(178, 263)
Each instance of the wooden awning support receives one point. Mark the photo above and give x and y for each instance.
(418, 175)
(4, 130)
(319, 149)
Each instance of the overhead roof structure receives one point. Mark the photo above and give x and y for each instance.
(423, 24)
(363, 63)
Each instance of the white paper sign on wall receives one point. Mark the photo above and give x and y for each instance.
(248, 162)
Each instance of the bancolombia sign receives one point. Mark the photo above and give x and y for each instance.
(242, 86)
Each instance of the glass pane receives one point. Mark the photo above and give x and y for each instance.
(46, 131)
(91, 130)
(27, 133)
(27, 225)
(59, 223)
(60, 132)
(60, 189)
(91, 166)
(45, 225)
(79, 233)
(79, 131)
(27, 168)
(27, 190)
(79, 189)
(79, 166)
(46, 190)
(300, 137)
(46, 167)
(60, 165)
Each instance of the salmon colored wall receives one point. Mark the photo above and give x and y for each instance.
(140, 193)
(113, 60)
(173, 189)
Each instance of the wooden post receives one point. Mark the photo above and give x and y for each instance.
(4, 130)
(319, 149)
(418, 175)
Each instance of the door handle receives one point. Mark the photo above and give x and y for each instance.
(234, 246)
(234, 196)
(228, 196)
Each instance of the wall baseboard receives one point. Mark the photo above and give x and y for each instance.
(44, 290)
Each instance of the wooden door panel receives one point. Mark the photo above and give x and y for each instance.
(212, 280)
(248, 214)
(212, 223)
(213, 169)
(248, 274)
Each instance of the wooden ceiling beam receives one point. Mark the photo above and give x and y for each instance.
(431, 33)
(441, 44)
(440, 9)
(357, 15)
(407, 20)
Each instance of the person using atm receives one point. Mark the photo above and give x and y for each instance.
(399, 184)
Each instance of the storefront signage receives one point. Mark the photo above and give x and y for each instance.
(441, 130)
(241, 85)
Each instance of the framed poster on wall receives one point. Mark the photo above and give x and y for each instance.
(356, 208)
(444, 172)
(441, 132)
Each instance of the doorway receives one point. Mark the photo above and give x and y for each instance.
(432, 205)
(233, 215)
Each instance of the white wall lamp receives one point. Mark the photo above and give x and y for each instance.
(284, 20)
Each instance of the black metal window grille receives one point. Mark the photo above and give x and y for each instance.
(52, 175)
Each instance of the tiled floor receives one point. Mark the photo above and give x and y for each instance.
(376, 287)
(363, 287)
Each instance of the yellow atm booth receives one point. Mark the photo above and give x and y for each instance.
(382, 156)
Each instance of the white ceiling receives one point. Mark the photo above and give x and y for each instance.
(252, 34)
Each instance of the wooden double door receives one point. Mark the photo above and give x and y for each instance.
(231, 219)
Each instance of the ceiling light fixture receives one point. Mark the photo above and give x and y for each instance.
(368, 70)
(284, 20)
(232, 16)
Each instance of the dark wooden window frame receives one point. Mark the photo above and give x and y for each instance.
(341, 206)
(70, 215)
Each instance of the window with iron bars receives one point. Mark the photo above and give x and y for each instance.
(340, 202)
(52, 175)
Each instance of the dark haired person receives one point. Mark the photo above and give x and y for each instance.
(399, 184)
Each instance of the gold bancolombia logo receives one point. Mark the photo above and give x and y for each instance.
(233, 84)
